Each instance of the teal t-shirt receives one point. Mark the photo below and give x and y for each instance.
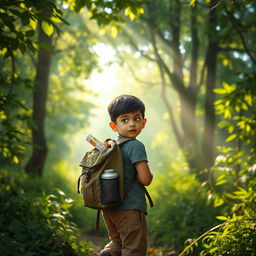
(133, 151)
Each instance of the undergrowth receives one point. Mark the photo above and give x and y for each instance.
(35, 223)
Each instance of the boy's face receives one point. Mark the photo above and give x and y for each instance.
(129, 125)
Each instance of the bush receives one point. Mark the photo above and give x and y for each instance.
(237, 235)
(234, 188)
(236, 238)
(181, 212)
(64, 176)
(33, 223)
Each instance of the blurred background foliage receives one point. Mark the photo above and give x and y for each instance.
(191, 62)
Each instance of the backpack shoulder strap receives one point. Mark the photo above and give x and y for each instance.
(149, 198)
(98, 223)
(123, 140)
(144, 188)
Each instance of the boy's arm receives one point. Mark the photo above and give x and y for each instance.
(144, 174)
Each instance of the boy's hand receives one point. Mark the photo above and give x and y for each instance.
(144, 174)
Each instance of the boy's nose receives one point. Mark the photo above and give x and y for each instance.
(132, 123)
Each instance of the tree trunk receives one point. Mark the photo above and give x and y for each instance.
(199, 157)
(36, 163)
(209, 120)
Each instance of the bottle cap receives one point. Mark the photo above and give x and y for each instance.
(109, 174)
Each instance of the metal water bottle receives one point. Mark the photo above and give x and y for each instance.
(110, 187)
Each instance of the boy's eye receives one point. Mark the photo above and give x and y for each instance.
(125, 120)
(137, 119)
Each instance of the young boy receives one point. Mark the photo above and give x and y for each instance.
(126, 223)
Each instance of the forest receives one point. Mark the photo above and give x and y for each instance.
(193, 64)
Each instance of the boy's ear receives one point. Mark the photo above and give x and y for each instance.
(144, 122)
(113, 126)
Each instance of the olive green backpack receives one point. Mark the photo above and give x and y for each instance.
(93, 165)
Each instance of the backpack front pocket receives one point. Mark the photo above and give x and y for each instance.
(89, 194)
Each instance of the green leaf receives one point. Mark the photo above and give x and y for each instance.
(218, 202)
(223, 124)
(128, 12)
(222, 218)
(15, 159)
(229, 195)
(213, 249)
(229, 88)
(220, 182)
(47, 28)
(231, 137)
(231, 128)
(33, 24)
(219, 91)
(248, 99)
(192, 3)
(227, 113)
(244, 106)
(217, 102)
(248, 128)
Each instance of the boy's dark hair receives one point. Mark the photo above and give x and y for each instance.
(124, 104)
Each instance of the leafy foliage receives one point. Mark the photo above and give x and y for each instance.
(235, 165)
(33, 223)
(235, 169)
(109, 12)
(64, 175)
(15, 119)
(237, 105)
(232, 181)
(236, 237)
(180, 213)
(18, 23)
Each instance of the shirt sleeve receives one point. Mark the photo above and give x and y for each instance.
(136, 151)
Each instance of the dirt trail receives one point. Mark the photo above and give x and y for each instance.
(98, 241)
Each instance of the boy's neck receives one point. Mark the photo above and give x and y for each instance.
(121, 136)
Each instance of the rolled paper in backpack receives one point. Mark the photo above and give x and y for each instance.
(96, 143)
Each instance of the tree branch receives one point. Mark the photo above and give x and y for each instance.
(176, 131)
(129, 67)
(234, 23)
(194, 51)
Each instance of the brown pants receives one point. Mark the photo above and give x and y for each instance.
(127, 231)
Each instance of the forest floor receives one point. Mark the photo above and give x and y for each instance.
(100, 241)
(97, 241)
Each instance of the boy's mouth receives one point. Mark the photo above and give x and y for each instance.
(133, 130)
